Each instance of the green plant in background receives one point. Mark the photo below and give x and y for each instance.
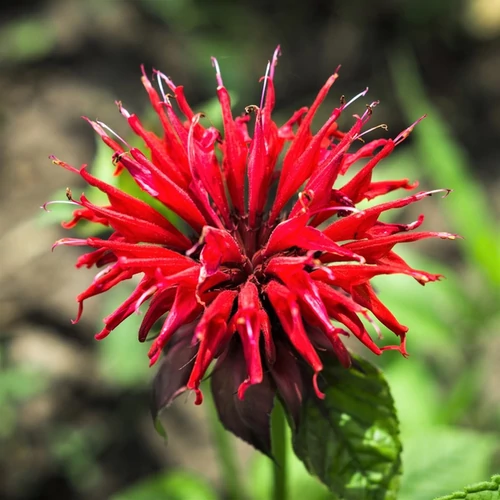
(349, 440)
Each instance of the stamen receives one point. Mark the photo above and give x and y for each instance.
(382, 126)
(369, 111)
(355, 98)
(168, 81)
(305, 199)
(251, 108)
(160, 86)
(336, 208)
(274, 61)
(159, 77)
(264, 86)
(116, 157)
(218, 76)
(99, 130)
(103, 125)
(58, 202)
(188, 362)
(372, 322)
(102, 273)
(70, 242)
(434, 191)
(145, 296)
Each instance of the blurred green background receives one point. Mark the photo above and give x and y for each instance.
(74, 420)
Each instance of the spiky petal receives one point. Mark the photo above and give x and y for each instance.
(259, 276)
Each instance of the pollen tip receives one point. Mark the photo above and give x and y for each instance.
(196, 118)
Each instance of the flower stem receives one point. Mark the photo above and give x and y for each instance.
(279, 436)
(226, 458)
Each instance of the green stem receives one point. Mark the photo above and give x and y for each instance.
(279, 435)
(227, 460)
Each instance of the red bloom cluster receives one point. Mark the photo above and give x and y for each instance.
(267, 268)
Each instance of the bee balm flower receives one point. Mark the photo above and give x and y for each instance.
(272, 261)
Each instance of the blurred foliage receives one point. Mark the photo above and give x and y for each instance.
(26, 39)
(174, 485)
(17, 385)
(448, 438)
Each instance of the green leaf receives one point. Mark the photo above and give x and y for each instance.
(487, 490)
(350, 439)
(177, 485)
(441, 459)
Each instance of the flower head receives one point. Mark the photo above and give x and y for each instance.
(271, 261)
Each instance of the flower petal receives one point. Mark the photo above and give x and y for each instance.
(247, 323)
(288, 311)
(354, 226)
(212, 333)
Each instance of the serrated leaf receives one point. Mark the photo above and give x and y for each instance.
(350, 439)
(487, 490)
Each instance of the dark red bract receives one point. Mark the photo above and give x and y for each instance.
(274, 261)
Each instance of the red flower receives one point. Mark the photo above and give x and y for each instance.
(270, 264)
